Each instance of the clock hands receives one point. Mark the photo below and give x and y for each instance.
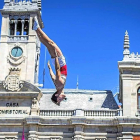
(16, 52)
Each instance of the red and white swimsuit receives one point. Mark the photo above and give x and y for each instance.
(63, 66)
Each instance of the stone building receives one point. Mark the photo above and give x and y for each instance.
(83, 115)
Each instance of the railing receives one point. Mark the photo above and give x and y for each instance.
(57, 112)
(79, 112)
(18, 38)
(16, 1)
(108, 113)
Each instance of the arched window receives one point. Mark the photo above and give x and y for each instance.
(12, 27)
(138, 98)
(19, 27)
(26, 27)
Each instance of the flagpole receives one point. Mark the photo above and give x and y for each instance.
(44, 69)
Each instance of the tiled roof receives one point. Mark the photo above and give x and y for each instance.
(79, 99)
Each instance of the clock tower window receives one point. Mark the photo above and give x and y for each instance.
(12, 27)
(26, 27)
(19, 27)
(138, 99)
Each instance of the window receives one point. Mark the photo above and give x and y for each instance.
(90, 99)
(12, 27)
(19, 25)
(26, 27)
(138, 99)
(65, 99)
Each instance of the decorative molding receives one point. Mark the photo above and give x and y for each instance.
(10, 138)
(18, 13)
(16, 62)
(133, 94)
(24, 4)
(14, 16)
(56, 138)
(18, 38)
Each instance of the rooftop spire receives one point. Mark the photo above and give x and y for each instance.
(77, 83)
(126, 51)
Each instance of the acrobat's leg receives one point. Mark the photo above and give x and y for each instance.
(45, 43)
(51, 46)
(48, 43)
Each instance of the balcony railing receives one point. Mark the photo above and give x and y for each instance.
(108, 113)
(57, 112)
(18, 38)
(79, 112)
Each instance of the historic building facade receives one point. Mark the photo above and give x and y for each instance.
(83, 115)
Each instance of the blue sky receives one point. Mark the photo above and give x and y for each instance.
(90, 34)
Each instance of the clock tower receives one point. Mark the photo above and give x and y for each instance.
(20, 46)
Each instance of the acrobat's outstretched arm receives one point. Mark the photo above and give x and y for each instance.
(51, 72)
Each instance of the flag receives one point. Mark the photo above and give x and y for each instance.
(23, 133)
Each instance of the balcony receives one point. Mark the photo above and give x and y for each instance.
(79, 112)
(18, 38)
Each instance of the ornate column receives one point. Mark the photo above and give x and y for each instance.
(33, 127)
(22, 31)
(78, 132)
(15, 27)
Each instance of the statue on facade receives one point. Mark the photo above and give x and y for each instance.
(59, 79)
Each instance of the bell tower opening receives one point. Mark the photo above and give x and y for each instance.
(20, 26)
(12, 27)
(26, 27)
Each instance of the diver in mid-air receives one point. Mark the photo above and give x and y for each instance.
(58, 59)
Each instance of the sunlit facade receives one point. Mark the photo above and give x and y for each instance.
(83, 115)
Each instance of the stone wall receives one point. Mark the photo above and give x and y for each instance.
(70, 128)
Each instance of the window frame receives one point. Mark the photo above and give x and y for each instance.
(138, 96)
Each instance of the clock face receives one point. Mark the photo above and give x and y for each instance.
(16, 51)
